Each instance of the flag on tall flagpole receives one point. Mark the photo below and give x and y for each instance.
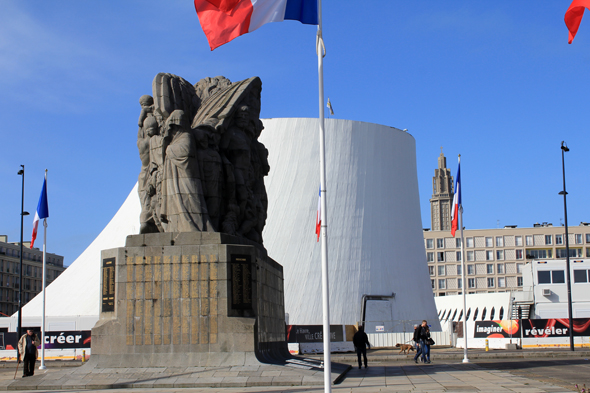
(42, 210)
(224, 20)
(318, 220)
(573, 17)
(456, 201)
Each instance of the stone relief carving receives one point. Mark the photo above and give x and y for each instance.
(202, 166)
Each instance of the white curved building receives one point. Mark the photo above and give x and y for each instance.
(375, 241)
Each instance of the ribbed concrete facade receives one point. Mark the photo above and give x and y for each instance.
(375, 243)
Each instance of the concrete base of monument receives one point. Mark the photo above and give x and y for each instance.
(191, 300)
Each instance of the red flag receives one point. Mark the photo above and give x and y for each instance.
(573, 17)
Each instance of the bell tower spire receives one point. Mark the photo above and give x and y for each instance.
(442, 196)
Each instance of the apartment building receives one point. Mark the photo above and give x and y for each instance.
(32, 273)
(494, 258)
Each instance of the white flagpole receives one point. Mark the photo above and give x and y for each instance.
(320, 49)
(42, 366)
(464, 284)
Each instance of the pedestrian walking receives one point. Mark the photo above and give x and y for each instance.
(27, 349)
(425, 341)
(361, 342)
(416, 339)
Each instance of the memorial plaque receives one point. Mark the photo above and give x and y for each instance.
(241, 282)
(108, 285)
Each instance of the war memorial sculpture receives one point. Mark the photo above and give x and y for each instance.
(196, 286)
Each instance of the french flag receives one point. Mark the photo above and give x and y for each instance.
(42, 211)
(224, 20)
(573, 17)
(318, 220)
(456, 201)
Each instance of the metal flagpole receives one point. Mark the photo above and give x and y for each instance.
(463, 282)
(321, 52)
(42, 366)
(464, 287)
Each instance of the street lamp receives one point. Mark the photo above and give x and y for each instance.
(23, 213)
(565, 149)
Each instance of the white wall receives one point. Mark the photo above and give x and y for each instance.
(375, 240)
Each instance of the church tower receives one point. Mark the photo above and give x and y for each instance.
(442, 196)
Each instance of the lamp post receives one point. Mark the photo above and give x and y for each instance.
(565, 149)
(23, 213)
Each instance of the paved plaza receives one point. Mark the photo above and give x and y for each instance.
(497, 371)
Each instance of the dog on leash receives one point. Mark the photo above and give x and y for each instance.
(405, 348)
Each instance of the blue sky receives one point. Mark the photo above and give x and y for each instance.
(493, 81)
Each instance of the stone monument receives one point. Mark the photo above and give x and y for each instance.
(196, 286)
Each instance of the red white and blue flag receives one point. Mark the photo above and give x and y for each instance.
(573, 17)
(318, 220)
(42, 211)
(224, 20)
(456, 201)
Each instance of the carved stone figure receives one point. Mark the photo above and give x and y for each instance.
(203, 168)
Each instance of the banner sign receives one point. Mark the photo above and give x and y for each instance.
(496, 329)
(55, 340)
(531, 328)
(312, 333)
(541, 328)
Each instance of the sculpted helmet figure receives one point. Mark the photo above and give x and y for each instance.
(203, 167)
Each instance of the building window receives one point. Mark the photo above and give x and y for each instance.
(519, 281)
(558, 276)
(458, 242)
(440, 256)
(458, 257)
(580, 276)
(587, 252)
(558, 239)
(491, 282)
(432, 283)
(471, 282)
(469, 242)
(442, 284)
(578, 238)
(441, 270)
(539, 254)
(489, 255)
(518, 240)
(518, 254)
(429, 243)
(588, 238)
(490, 268)
(429, 257)
(499, 241)
(529, 240)
(500, 268)
(519, 267)
(459, 283)
(459, 270)
(440, 243)
(501, 282)
(431, 270)
(574, 253)
(471, 256)
(489, 242)
(470, 269)
(551, 276)
(548, 239)
(499, 255)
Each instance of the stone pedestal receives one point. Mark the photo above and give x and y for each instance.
(189, 299)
